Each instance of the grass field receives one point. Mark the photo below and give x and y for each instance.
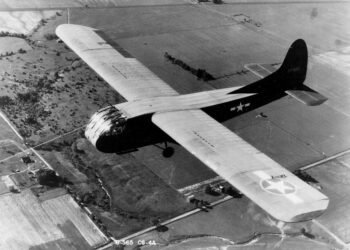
(9, 148)
(11, 165)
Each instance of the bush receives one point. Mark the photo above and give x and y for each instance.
(31, 120)
(22, 51)
(51, 36)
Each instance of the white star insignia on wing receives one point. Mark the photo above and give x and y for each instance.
(278, 186)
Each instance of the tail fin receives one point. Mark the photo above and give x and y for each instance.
(289, 78)
(294, 66)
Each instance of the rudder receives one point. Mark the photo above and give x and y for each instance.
(294, 66)
(293, 70)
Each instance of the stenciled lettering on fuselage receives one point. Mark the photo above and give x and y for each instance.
(240, 107)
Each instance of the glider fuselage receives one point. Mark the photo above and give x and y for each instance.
(127, 126)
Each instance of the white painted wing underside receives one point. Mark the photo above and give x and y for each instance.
(286, 197)
(116, 66)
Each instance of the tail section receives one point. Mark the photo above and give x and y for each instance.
(294, 67)
(289, 78)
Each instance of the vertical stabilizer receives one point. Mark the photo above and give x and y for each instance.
(288, 79)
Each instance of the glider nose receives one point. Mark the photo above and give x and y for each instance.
(104, 128)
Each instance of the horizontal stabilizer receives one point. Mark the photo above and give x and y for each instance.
(307, 96)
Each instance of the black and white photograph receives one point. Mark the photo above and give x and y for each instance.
(174, 124)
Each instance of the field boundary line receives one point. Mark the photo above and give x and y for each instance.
(335, 237)
(325, 160)
(187, 214)
(59, 136)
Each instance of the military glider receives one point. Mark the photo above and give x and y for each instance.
(156, 113)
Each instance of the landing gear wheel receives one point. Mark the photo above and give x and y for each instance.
(168, 152)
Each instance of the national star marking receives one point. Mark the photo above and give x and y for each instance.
(240, 107)
(278, 186)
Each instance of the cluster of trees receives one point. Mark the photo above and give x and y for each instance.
(30, 96)
(6, 101)
(48, 177)
(201, 74)
(10, 34)
(11, 53)
(214, 1)
(8, 53)
(305, 176)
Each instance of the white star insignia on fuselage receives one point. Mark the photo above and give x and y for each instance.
(240, 107)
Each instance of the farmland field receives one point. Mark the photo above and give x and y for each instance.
(25, 223)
